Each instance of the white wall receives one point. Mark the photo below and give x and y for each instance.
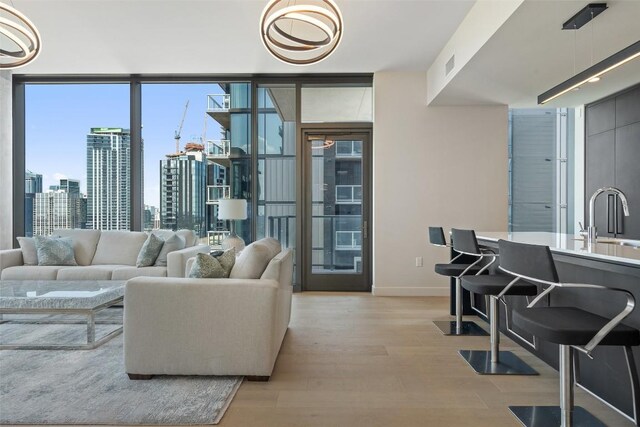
(432, 166)
(6, 169)
(480, 24)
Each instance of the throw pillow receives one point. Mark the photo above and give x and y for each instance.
(253, 260)
(227, 259)
(29, 252)
(172, 243)
(54, 250)
(210, 267)
(149, 251)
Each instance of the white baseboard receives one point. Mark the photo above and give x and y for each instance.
(405, 291)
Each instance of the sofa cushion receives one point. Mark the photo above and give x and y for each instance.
(190, 237)
(91, 272)
(150, 251)
(29, 252)
(84, 243)
(55, 251)
(274, 270)
(119, 247)
(172, 243)
(31, 272)
(126, 273)
(254, 258)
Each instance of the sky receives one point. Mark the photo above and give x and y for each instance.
(59, 117)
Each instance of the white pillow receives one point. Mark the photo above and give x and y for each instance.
(171, 243)
(29, 253)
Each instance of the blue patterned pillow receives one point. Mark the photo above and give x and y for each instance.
(55, 250)
(150, 251)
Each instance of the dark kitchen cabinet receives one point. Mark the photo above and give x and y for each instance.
(628, 177)
(613, 159)
(600, 173)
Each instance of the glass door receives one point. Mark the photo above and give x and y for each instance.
(337, 206)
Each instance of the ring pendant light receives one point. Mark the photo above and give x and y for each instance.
(20, 41)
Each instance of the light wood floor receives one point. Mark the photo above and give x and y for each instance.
(359, 360)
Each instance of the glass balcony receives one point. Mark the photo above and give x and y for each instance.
(215, 237)
(348, 149)
(217, 192)
(219, 103)
(221, 148)
(219, 151)
(348, 194)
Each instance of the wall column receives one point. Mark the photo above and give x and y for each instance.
(6, 158)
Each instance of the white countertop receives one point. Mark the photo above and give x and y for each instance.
(571, 245)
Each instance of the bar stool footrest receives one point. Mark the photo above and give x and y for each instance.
(549, 416)
(509, 363)
(468, 328)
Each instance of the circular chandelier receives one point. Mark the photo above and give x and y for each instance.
(19, 39)
(301, 34)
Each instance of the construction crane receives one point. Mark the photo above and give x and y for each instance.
(177, 134)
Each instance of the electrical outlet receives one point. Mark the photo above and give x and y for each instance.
(418, 261)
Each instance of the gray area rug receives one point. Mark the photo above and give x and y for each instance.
(91, 386)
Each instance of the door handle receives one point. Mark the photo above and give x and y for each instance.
(365, 230)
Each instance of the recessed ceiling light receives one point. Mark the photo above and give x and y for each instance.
(594, 79)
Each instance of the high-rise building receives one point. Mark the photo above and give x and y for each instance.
(150, 214)
(53, 210)
(32, 182)
(183, 187)
(32, 185)
(108, 179)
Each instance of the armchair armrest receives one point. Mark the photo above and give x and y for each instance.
(177, 260)
(10, 258)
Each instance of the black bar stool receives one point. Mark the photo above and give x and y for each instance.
(570, 327)
(495, 287)
(464, 242)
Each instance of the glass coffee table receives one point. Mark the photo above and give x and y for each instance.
(60, 297)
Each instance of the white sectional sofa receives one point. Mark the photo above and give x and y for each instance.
(102, 255)
(231, 326)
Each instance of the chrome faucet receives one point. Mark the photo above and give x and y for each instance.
(592, 232)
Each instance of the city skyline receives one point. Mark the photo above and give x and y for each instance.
(48, 125)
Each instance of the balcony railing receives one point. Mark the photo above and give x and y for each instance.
(219, 149)
(215, 237)
(217, 192)
(348, 193)
(219, 102)
(348, 240)
(348, 148)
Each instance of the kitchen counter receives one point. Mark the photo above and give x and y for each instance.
(606, 264)
(573, 245)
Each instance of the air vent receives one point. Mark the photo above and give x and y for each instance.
(449, 65)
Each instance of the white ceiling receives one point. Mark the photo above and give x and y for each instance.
(222, 37)
(530, 54)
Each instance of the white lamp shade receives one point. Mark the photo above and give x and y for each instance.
(232, 209)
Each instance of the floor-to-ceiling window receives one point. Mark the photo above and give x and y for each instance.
(197, 150)
(77, 154)
(143, 153)
(541, 168)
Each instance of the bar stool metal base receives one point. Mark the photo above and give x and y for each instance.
(509, 363)
(549, 416)
(468, 328)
